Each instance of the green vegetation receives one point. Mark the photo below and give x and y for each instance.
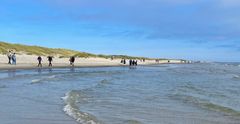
(62, 53)
(35, 50)
(84, 55)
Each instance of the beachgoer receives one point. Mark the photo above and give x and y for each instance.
(121, 61)
(136, 62)
(130, 62)
(14, 59)
(72, 60)
(124, 61)
(9, 55)
(39, 61)
(50, 59)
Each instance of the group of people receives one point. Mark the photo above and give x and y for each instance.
(50, 59)
(12, 59)
(133, 62)
(123, 61)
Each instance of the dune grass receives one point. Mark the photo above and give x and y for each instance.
(61, 53)
(34, 50)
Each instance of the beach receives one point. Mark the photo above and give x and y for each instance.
(120, 62)
(30, 62)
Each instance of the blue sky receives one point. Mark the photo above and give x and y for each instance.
(187, 29)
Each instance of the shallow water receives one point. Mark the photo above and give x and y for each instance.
(161, 94)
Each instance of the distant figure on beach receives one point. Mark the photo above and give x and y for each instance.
(143, 60)
(50, 59)
(39, 61)
(124, 61)
(72, 60)
(130, 62)
(136, 63)
(14, 59)
(9, 55)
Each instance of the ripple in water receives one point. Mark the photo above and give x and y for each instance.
(207, 105)
(236, 76)
(41, 80)
(202, 98)
(132, 122)
(2, 86)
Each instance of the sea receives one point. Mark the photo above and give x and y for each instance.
(200, 93)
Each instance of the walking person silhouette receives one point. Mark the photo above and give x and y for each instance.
(39, 61)
(50, 59)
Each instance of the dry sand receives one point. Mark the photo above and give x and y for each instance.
(30, 61)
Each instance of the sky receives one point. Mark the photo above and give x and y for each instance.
(207, 30)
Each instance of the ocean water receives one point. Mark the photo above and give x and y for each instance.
(206, 93)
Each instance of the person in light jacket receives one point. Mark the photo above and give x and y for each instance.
(14, 59)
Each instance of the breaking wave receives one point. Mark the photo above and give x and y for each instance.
(71, 109)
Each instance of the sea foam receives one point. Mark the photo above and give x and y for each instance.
(72, 110)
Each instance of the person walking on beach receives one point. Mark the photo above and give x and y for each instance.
(50, 59)
(72, 60)
(39, 61)
(136, 63)
(130, 62)
(14, 59)
(9, 55)
(124, 61)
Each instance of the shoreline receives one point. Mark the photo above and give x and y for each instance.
(30, 67)
(24, 67)
(4, 67)
(30, 62)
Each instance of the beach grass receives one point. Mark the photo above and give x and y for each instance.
(61, 53)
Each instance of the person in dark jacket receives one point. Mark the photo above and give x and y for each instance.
(9, 55)
(136, 63)
(124, 61)
(72, 60)
(130, 62)
(39, 61)
(50, 59)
